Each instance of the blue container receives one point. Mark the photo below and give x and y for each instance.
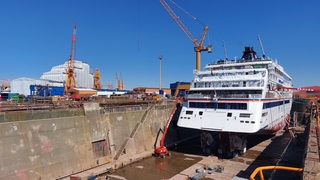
(38, 90)
(161, 92)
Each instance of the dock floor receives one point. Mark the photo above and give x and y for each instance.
(299, 149)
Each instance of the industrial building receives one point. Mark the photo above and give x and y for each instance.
(22, 85)
(179, 89)
(84, 78)
(55, 78)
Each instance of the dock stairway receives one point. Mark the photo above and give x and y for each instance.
(133, 133)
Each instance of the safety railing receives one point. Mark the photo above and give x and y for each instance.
(262, 168)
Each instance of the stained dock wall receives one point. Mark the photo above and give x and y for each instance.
(55, 144)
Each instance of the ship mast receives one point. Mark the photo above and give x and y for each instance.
(225, 50)
(263, 54)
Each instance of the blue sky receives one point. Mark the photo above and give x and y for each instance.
(128, 36)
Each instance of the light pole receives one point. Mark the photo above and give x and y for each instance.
(160, 84)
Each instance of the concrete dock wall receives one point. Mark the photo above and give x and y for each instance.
(54, 144)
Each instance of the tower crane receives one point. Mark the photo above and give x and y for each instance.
(109, 85)
(97, 82)
(198, 45)
(118, 82)
(122, 82)
(70, 81)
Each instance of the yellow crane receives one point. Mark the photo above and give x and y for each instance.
(198, 45)
(109, 85)
(122, 82)
(97, 82)
(70, 81)
(118, 82)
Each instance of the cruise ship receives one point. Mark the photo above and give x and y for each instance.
(250, 95)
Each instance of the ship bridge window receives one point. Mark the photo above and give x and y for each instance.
(233, 106)
(242, 106)
(211, 105)
(215, 105)
(222, 106)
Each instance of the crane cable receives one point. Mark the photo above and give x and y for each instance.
(185, 11)
(193, 17)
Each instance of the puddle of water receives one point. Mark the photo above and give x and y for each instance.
(157, 168)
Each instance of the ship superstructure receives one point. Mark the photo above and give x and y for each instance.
(238, 96)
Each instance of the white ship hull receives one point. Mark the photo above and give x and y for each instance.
(261, 116)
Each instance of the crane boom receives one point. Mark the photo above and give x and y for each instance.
(203, 35)
(70, 81)
(178, 21)
(118, 82)
(198, 45)
(74, 38)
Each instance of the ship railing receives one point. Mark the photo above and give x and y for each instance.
(233, 84)
(233, 76)
(225, 96)
(199, 96)
(241, 96)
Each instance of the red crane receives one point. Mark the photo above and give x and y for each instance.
(198, 45)
(162, 151)
(70, 81)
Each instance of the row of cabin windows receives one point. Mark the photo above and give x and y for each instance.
(263, 73)
(226, 92)
(214, 105)
(256, 66)
(251, 83)
(274, 104)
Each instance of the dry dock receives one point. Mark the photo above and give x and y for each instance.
(297, 148)
(97, 142)
(58, 143)
(278, 150)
